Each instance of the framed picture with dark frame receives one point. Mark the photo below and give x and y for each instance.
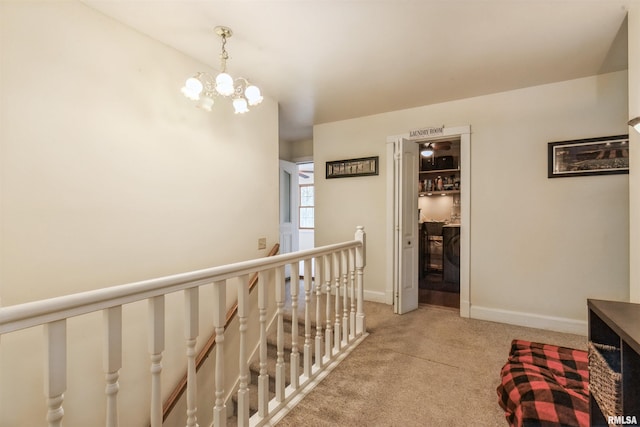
(364, 166)
(594, 156)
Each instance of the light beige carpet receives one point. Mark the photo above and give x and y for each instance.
(426, 368)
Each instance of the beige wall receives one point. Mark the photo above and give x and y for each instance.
(633, 22)
(539, 247)
(109, 175)
(297, 152)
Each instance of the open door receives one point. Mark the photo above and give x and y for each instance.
(288, 208)
(406, 244)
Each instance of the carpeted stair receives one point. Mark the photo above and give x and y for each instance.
(272, 349)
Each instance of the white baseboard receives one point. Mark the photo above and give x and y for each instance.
(376, 296)
(551, 323)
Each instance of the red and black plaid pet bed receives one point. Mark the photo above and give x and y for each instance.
(545, 385)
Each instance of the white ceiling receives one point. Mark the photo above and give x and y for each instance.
(328, 60)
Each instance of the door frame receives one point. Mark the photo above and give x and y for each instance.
(464, 133)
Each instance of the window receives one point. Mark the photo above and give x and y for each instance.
(306, 206)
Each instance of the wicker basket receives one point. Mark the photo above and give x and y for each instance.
(605, 378)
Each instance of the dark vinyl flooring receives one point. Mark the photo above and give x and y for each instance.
(434, 290)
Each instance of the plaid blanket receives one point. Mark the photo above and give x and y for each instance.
(545, 385)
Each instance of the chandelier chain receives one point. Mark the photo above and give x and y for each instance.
(223, 55)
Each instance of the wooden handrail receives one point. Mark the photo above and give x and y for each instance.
(208, 347)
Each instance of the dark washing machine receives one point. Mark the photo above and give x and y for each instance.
(451, 254)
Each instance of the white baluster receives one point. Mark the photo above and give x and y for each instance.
(55, 360)
(307, 318)
(318, 284)
(219, 319)
(280, 365)
(295, 355)
(191, 331)
(352, 293)
(328, 331)
(336, 329)
(156, 347)
(243, 390)
(263, 378)
(345, 301)
(361, 262)
(112, 361)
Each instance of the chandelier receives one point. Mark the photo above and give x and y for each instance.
(204, 87)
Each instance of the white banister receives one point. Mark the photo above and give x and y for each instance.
(338, 268)
(263, 377)
(307, 318)
(360, 264)
(337, 330)
(352, 293)
(192, 315)
(26, 315)
(243, 314)
(112, 361)
(318, 283)
(345, 295)
(328, 331)
(156, 347)
(294, 362)
(219, 319)
(280, 366)
(55, 370)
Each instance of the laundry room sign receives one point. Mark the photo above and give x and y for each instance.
(421, 133)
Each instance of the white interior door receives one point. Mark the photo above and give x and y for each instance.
(406, 243)
(288, 207)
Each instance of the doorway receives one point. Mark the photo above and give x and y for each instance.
(403, 223)
(439, 209)
(306, 217)
(297, 209)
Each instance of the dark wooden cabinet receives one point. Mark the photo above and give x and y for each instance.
(617, 324)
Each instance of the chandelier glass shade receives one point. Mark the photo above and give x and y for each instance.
(204, 87)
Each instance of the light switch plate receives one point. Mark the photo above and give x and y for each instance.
(262, 243)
